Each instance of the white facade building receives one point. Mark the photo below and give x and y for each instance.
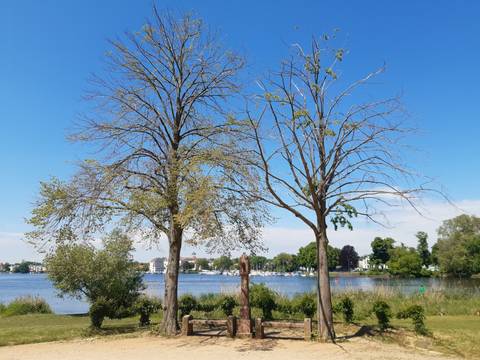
(364, 263)
(157, 265)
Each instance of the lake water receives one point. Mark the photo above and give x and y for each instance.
(14, 285)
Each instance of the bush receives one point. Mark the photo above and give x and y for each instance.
(109, 278)
(99, 309)
(383, 313)
(227, 303)
(2, 308)
(264, 298)
(306, 305)
(208, 302)
(345, 306)
(146, 306)
(186, 304)
(285, 305)
(417, 314)
(27, 305)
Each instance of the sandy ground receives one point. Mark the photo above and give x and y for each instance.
(209, 348)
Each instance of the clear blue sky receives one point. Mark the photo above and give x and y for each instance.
(49, 48)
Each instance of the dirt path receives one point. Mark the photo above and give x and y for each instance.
(208, 348)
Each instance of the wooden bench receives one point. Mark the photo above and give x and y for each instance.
(188, 322)
(306, 325)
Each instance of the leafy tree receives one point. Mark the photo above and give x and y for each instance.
(202, 264)
(107, 278)
(459, 246)
(405, 262)
(168, 150)
(422, 248)
(381, 250)
(434, 255)
(307, 257)
(187, 265)
(348, 258)
(333, 257)
(284, 262)
(222, 263)
(23, 268)
(258, 262)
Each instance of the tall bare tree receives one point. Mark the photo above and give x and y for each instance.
(325, 155)
(165, 162)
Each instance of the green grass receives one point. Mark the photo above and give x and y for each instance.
(33, 328)
(456, 334)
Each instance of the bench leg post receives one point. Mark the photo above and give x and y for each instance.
(259, 329)
(187, 326)
(232, 326)
(307, 328)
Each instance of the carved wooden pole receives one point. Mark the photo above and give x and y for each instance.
(245, 322)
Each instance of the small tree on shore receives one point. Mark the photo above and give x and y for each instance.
(107, 278)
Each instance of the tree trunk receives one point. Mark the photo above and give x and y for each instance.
(324, 297)
(170, 303)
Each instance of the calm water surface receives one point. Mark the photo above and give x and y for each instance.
(14, 285)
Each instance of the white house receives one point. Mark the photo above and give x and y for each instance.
(157, 265)
(364, 263)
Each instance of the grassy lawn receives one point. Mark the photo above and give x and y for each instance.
(23, 329)
(455, 335)
(459, 335)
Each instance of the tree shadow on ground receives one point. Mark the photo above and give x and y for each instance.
(281, 335)
(113, 330)
(364, 330)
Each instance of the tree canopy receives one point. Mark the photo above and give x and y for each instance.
(381, 250)
(458, 246)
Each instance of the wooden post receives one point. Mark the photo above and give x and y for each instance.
(232, 326)
(187, 326)
(307, 329)
(245, 321)
(259, 334)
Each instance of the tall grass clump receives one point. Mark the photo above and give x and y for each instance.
(27, 305)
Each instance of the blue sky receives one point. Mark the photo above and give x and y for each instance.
(49, 48)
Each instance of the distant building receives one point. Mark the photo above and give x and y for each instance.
(364, 263)
(36, 268)
(157, 265)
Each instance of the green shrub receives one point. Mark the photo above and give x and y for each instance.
(305, 304)
(345, 306)
(146, 306)
(2, 308)
(27, 305)
(186, 304)
(208, 302)
(227, 303)
(285, 306)
(99, 309)
(383, 313)
(264, 298)
(417, 314)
